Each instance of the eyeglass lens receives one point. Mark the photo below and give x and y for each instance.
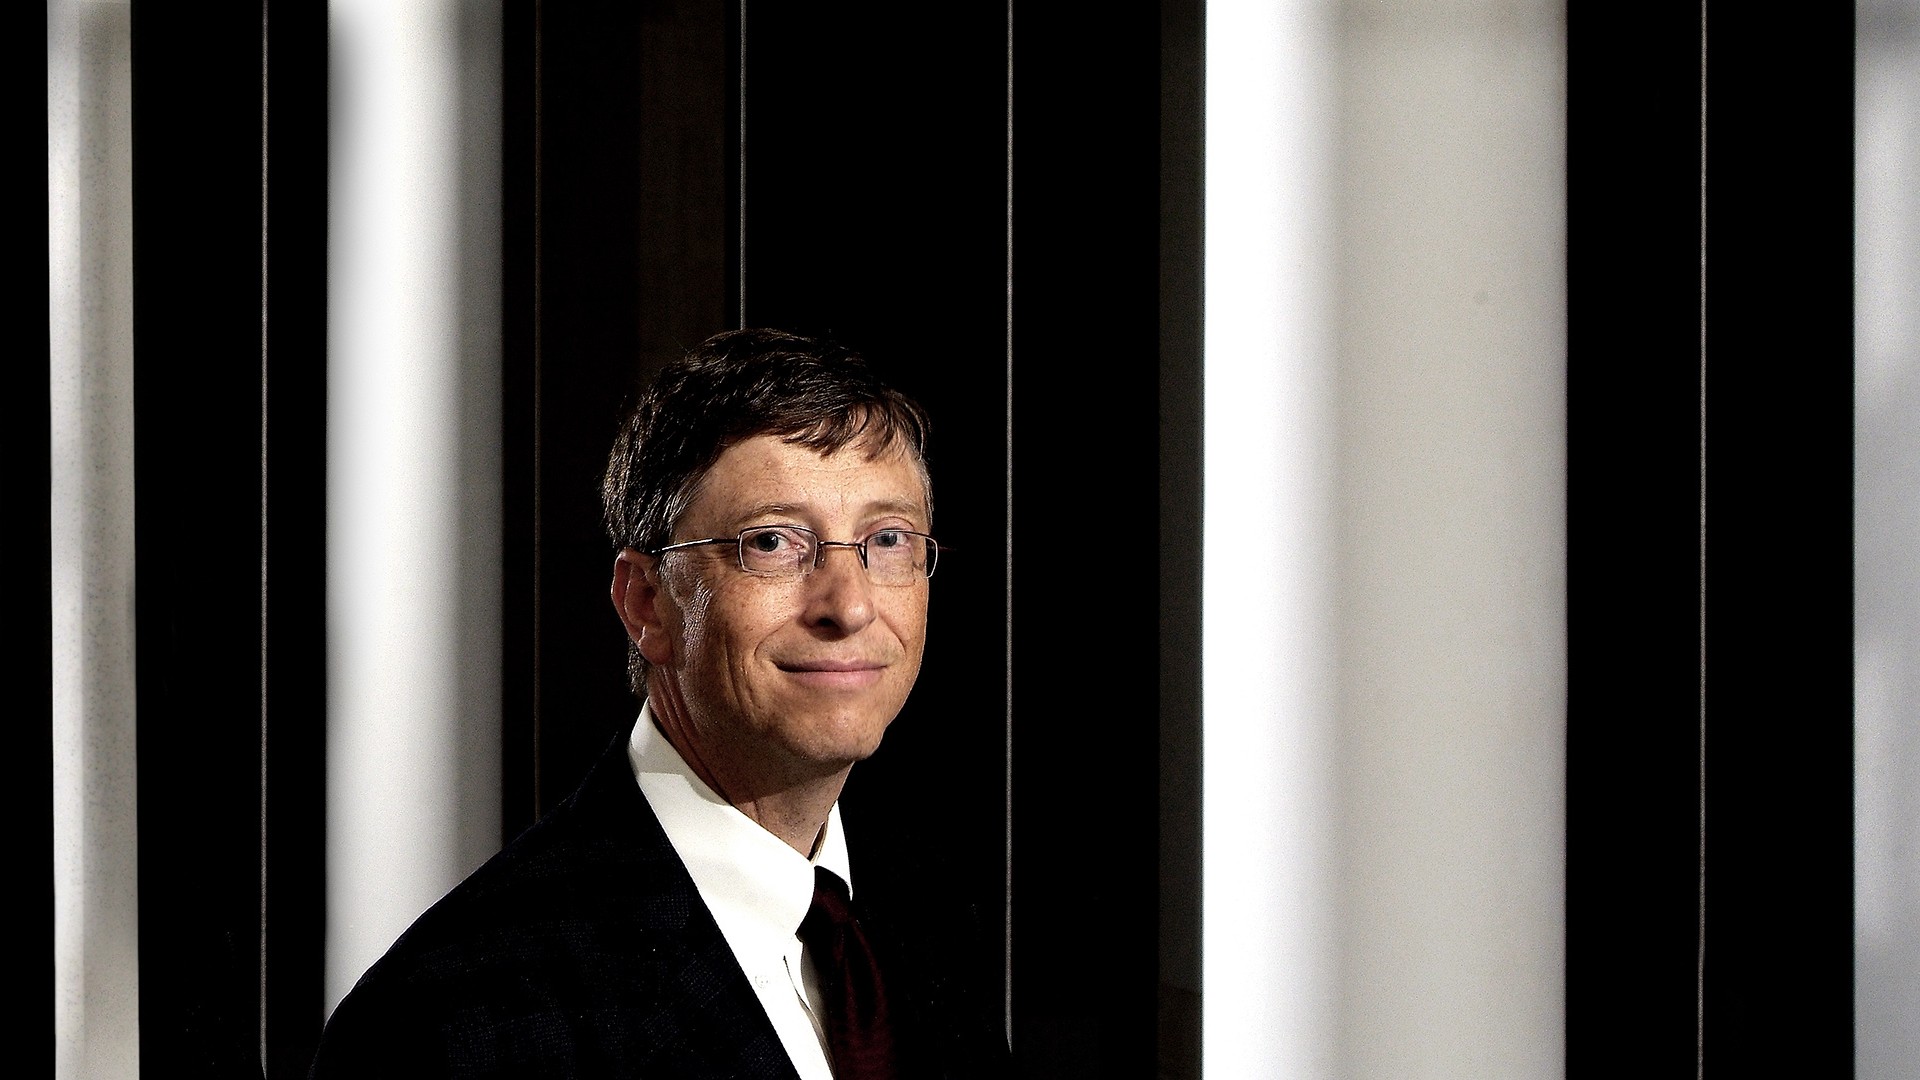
(892, 556)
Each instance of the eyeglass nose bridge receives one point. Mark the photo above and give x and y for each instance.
(820, 551)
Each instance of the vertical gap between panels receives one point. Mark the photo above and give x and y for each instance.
(1007, 843)
(1700, 907)
(740, 153)
(535, 560)
(264, 315)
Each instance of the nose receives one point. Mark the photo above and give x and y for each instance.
(839, 593)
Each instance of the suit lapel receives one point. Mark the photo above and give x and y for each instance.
(695, 1013)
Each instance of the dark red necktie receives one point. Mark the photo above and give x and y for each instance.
(856, 1002)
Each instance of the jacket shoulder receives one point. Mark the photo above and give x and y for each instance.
(581, 949)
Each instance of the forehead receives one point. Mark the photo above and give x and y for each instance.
(850, 486)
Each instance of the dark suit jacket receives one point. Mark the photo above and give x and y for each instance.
(584, 950)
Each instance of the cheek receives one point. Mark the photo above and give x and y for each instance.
(695, 601)
(727, 624)
(909, 622)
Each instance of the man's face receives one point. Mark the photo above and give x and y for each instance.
(787, 676)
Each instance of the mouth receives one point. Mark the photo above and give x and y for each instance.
(832, 674)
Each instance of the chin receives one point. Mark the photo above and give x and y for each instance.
(843, 741)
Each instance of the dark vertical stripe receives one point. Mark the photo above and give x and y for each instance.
(1709, 749)
(733, 93)
(738, 100)
(1087, 625)
(587, 280)
(266, 433)
(293, 746)
(1778, 854)
(37, 425)
(683, 298)
(1633, 430)
(1182, 227)
(519, 406)
(1700, 747)
(198, 431)
(1006, 957)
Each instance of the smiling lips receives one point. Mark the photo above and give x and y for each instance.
(830, 674)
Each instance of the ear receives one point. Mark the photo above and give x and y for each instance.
(643, 609)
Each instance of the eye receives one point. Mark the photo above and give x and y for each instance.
(776, 549)
(889, 538)
(770, 541)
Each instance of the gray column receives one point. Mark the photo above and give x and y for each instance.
(90, 314)
(1886, 623)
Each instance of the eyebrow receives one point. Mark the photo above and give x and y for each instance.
(900, 507)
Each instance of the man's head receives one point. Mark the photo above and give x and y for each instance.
(760, 428)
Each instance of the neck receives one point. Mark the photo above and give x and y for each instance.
(790, 803)
(798, 818)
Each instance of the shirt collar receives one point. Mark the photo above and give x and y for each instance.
(757, 887)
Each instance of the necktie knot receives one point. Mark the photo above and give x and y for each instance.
(855, 1002)
(831, 912)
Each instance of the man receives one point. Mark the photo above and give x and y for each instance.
(687, 912)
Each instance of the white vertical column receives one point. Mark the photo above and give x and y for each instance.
(96, 972)
(1384, 619)
(413, 484)
(1267, 708)
(1452, 497)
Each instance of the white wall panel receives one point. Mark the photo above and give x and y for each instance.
(1384, 684)
(1887, 540)
(1267, 705)
(90, 330)
(1452, 494)
(413, 485)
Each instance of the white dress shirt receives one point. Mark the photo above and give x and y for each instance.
(758, 888)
